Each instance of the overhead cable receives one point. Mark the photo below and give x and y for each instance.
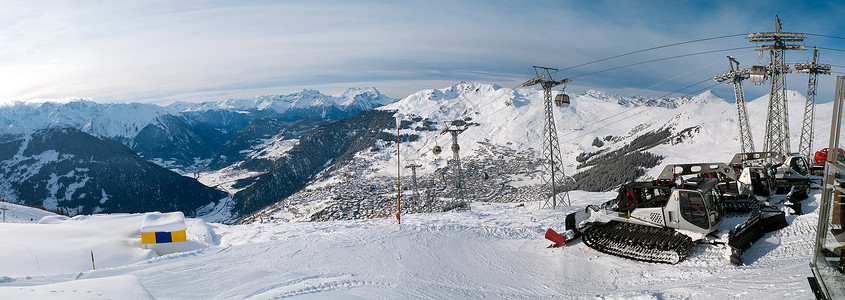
(654, 48)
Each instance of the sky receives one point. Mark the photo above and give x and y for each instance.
(165, 51)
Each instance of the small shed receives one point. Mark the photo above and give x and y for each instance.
(160, 230)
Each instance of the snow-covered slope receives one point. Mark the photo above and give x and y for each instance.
(15, 213)
(81, 173)
(514, 117)
(494, 251)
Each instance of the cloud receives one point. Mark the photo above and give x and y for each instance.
(165, 50)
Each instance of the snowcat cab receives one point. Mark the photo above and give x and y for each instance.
(694, 205)
(760, 180)
(798, 164)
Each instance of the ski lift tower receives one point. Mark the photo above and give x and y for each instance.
(806, 145)
(777, 119)
(735, 77)
(413, 165)
(455, 128)
(553, 173)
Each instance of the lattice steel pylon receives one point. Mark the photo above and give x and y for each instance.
(413, 165)
(553, 174)
(777, 118)
(735, 77)
(455, 128)
(805, 147)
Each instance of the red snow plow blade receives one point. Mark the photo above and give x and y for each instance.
(559, 240)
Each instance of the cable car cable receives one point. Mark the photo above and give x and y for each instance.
(831, 49)
(827, 36)
(647, 109)
(645, 62)
(632, 110)
(653, 48)
(660, 59)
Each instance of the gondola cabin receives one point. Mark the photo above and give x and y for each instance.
(758, 74)
(562, 100)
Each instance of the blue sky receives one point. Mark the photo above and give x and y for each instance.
(162, 51)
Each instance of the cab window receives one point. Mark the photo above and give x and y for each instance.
(693, 209)
(799, 165)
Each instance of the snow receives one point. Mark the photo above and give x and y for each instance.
(117, 287)
(123, 121)
(116, 120)
(494, 251)
(359, 98)
(514, 117)
(15, 213)
(161, 222)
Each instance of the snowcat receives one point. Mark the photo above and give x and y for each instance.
(662, 221)
(790, 172)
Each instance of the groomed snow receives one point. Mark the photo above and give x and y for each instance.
(494, 251)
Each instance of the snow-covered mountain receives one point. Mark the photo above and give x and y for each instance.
(234, 136)
(634, 101)
(351, 101)
(183, 136)
(119, 121)
(277, 166)
(604, 140)
(83, 174)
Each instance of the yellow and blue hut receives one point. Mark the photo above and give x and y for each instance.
(163, 231)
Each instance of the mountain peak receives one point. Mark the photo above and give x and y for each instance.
(362, 98)
(635, 101)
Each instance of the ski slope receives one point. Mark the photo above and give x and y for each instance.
(494, 251)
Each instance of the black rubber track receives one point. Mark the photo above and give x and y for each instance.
(639, 242)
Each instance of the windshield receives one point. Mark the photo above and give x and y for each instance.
(714, 199)
(799, 165)
(760, 182)
(771, 176)
(693, 209)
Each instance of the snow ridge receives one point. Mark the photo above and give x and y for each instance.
(351, 99)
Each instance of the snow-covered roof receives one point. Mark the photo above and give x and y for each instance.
(163, 222)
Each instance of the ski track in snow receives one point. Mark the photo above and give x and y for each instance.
(494, 251)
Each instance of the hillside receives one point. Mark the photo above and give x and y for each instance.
(186, 137)
(500, 148)
(84, 174)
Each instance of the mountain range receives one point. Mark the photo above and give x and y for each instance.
(310, 156)
(605, 140)
(89, 157)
